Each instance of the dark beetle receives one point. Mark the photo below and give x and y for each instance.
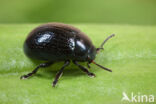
(54, 42)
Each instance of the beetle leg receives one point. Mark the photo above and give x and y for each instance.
(88, 64)
(58, 75)
(84, 69)
(36, 69)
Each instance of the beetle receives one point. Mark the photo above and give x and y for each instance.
(54, 42)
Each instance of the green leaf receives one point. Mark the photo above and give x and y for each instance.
(131, 54)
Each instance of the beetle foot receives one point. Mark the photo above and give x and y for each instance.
(92, 75)
(24, 77)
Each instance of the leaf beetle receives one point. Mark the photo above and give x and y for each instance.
(53, 42)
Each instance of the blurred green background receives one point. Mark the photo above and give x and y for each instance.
(140, 12)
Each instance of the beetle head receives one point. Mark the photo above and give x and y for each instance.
(91, 54)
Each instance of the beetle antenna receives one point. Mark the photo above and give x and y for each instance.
(101, 47)
(102, 66)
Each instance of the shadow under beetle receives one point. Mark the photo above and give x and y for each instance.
(55, 42)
